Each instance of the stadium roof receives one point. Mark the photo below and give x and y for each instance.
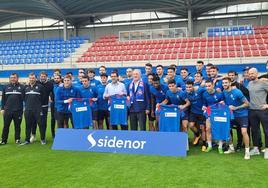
(81, 12)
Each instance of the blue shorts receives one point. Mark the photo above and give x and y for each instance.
(241, 122)
(185, 114)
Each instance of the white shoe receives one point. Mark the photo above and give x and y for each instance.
(254, 151)
(263, 150)
(33, 138)
(229, 151)
(247, 156)
(266, 154)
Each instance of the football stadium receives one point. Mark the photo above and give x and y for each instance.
(129, 93)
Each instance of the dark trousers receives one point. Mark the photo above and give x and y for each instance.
(123, 127)
(53, 118)
(64, 117)
(43, 121)
(257, 117)
(8, 117)
(33, 117)
(137, 118)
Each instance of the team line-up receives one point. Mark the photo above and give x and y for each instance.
(193, 93)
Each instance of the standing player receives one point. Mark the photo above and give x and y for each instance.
(63, 97)
(129, 78)
(160, 73)
(198, 79)
(217, 79)
(238, 103)
(158, 94)
(171, 75)
(196, 117)
(34, 93)
(90, 92)
(103, 113)
(48, 89)
(148, 70)
(175, 97)
(199, 67)
(91, 75)
(186, 75)
(211, 97)
(12, 107)
(57, 82)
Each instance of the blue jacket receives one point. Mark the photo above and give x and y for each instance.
(62, 94)
(139, 106)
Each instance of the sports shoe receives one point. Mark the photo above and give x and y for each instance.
(33, 138)
(247, 156)
(25, 143)
(208, 149)
(263, 150)
(204, 148)
(266, 154)
(43, 142)
(220, 150)
(196, 140)
(17, 141)
(3, 143)
(229, 151)
(254, 151)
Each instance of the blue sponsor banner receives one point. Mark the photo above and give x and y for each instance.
(132, 142)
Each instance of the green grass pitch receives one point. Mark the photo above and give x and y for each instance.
(36, 165)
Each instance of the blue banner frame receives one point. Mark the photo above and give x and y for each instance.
(132, 142)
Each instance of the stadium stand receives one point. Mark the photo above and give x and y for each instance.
(38, 51)
(109, 48)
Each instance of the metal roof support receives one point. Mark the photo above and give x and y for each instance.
(190, 23)
(64, 30)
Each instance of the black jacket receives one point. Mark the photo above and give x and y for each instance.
(34, 95)
(48, 89)
(12, 97)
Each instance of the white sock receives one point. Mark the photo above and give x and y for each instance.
(247, 150)
(220, 144)
(231, 146)
(266, 149)
(210, 144)
(256, 148)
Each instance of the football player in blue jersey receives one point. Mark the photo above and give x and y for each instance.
(91, 75)
(198, 79)
(211, 97)
(90, 92)
(160, 73)
(103, 112)
(216, 78)
(171, 75)
(185, 75)
(238, 103)
(175, 97)
(196, 117)
(158, 95)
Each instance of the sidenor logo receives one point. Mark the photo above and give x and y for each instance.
(114, 142)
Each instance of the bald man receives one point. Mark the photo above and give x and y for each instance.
(258, 112)
(138, 93)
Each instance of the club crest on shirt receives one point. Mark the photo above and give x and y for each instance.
(36, 87)
(140, 91)
(71, 91)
